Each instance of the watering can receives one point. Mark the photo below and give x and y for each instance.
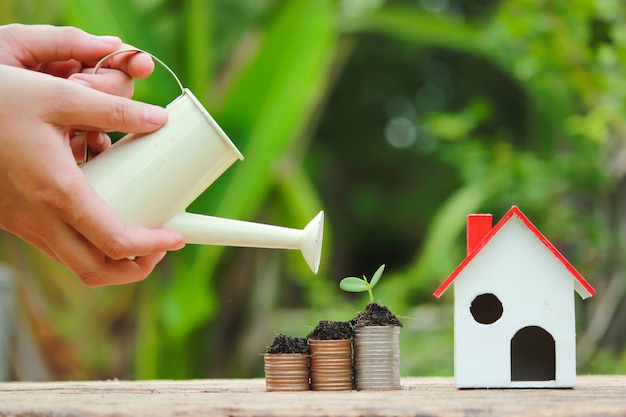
(150, 180)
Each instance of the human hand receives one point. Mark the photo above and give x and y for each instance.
(44, 197)
(71, 53)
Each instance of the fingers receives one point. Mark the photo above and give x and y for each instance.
(125, 258)
(116, 75)
(62, 69)
(96, 270)
(91, 265)
(120, 272)
(92, 218)
(97, 142)
(90, 238)
(62, 51)
(34, 45)
(88, 109)
(124, 271)
(107, 80)
(135, 64)
(125, 242)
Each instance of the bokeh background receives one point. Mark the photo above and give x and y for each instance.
(396, 117)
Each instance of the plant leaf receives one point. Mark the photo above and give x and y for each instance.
(377, 275)
(353, 284)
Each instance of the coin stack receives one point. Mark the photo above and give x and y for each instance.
(287, 372)
(377, 358)
(331, 365)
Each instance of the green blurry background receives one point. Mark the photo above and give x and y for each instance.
(398, 118)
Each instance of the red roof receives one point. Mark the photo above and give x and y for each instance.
(582, 286)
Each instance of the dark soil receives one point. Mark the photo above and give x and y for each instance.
(331, 330)
(375, 315)
(288, 344)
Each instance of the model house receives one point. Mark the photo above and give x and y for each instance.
(514, 318)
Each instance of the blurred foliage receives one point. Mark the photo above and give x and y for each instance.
(398, 118)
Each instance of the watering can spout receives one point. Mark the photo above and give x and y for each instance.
(208, 230)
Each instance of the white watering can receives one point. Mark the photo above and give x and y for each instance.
(150, 179)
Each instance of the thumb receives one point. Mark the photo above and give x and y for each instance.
(90, 109)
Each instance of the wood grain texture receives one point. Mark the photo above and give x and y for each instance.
(593, 396)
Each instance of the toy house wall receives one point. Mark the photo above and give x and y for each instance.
(535, 289)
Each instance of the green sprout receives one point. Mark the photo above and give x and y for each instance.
(354, 284)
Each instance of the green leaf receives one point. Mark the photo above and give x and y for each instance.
(377, 275)
(353, 284)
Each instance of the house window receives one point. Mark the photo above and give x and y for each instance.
(486, 308)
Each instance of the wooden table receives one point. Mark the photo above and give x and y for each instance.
(593, 396)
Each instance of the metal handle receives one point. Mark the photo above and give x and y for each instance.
(124, 51)
(135, 50)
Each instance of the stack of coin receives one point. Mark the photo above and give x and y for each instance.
(331, 365)
(377, 358)
(287, 372)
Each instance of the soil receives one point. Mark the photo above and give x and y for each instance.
(288, 344)
(376, 315)
(331, 330)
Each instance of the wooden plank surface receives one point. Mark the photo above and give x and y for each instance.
(593, 396)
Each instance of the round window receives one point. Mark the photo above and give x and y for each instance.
(486, 308)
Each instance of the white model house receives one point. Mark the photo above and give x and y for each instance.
(514, 319)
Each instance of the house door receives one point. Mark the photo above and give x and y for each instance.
(533, 355)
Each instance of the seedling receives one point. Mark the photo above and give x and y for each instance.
(354, 284)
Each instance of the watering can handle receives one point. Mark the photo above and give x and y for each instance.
(135, 50)
(125, 51)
